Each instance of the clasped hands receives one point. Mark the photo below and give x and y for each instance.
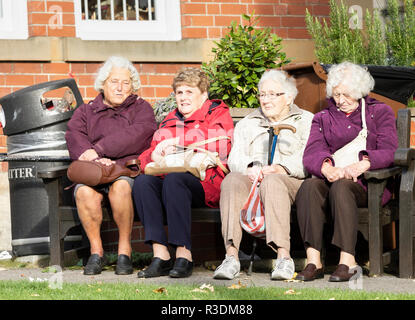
(254, 171)
(351, 172)
(92, 155)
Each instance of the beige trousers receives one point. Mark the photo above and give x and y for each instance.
(278, 193)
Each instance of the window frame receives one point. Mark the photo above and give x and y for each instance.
(14, 20)
(166, 27)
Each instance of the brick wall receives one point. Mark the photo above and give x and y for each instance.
(210, 19)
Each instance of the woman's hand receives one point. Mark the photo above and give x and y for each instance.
(89, 155)
(332, 173)
(273, 168)
(167, 146)
(356, 169)
(105, 161)
(253, 172)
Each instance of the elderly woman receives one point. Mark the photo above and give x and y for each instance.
(115, 127)
(341, 190)
(280, 177)
(172, 196)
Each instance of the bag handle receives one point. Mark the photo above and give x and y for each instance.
(363, 114)
(201, 143)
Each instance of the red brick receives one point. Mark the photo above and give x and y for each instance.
(293, 22)
(41, 78)
(37, 31)
(269, 21)
(56, 68)
(298, 33)
(193, 8)
(36, 6)
(5, 91)
(85, 80)
(27, 67)
(66, 6)
(65, 31)
(233, 9)
(295, 9)
(19, 80)
(226, 20)
(77, 68)
(261, 9)
(5, 67)
(163, 92)
(213, 9)
(92, 67)
(320, 10)
(200, 21)
(194, 33)
(39, 18)
(160, 80)
(167, 68)
(214, 33)
(147, 92)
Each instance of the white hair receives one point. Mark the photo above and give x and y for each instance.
(286, 82)
(359, 81)
(119, 62)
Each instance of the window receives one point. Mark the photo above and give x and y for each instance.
(13, 19)
(128, 20)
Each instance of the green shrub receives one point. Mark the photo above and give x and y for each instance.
(241, 57)
(371, 45)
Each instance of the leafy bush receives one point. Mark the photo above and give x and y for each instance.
(338, 42)
(162, 107)
(241, 57)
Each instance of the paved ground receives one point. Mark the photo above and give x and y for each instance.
(384, 283)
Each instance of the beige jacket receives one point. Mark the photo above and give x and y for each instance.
(251, 142)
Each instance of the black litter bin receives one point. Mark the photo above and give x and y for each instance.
(35, 125)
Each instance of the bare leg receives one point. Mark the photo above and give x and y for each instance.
(232, 251)
(160, 251)
(88, 202)
(123, 212)
(182, 252)
(347, 259)
(313, 256)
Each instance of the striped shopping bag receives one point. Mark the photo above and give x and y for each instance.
(252, 216)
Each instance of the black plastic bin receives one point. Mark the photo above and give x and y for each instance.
(35, 126)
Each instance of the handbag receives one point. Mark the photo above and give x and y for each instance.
(189, 158)
(252, 217)
(349, 153)
(93, 173)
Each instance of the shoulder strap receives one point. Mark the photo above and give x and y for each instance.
(363, 114)
(201, 143)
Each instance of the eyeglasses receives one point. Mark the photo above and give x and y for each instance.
(115, 83)
(271, 96)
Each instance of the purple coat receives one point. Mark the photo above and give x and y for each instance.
(120, 134)
(331, 129)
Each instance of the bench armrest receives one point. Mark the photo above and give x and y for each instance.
(53, 172)
(382, 174)
(403, 156)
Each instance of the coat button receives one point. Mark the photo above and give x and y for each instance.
(348, 127)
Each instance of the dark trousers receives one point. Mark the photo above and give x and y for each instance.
(171, 199)
(317, 198)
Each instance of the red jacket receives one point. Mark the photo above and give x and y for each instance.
(211, 120)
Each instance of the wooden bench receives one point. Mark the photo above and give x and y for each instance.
(371, 220)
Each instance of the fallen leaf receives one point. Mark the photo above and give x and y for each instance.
(237, 286)
(291, 291)
(208, 287)
(332, 299)
(137, 291)
(99, 289)
(35, 295)
(160, 290)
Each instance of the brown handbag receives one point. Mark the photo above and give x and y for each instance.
(93, 173)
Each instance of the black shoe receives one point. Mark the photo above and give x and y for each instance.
(182, 268)
(157, 268)
(94, 265)
(124, 265)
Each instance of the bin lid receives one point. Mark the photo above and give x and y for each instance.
(23, 109)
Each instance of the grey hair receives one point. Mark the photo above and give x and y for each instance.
(356, 78)
(286, 82)
(119, 62)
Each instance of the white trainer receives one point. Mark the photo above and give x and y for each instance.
(229, 269)
(283, 270)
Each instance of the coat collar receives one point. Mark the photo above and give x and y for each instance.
(99, 105)
(264, 122)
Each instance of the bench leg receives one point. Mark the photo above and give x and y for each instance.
(375, 191)
(406, 212)
(56, 245)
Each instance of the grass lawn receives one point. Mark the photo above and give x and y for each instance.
(26, 290)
